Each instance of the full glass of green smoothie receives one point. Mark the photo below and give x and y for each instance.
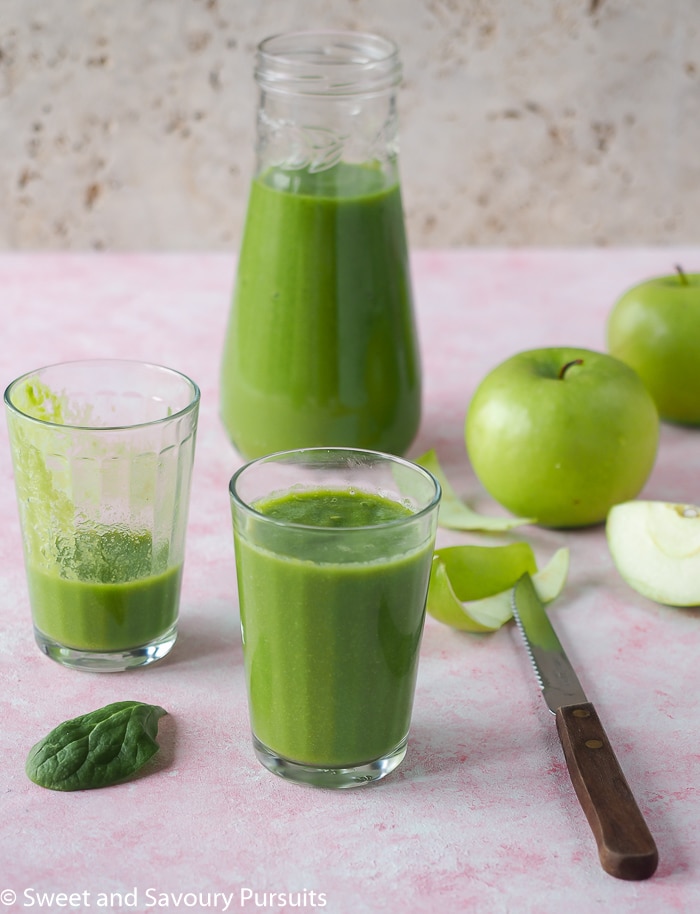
(333, 555)
(321, 346)
(102, 452)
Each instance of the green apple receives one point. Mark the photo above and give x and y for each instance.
(562, 434)
(655, 328)
(656, 548)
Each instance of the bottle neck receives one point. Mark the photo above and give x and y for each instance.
(327, 98)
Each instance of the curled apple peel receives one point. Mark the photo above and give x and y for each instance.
(454, 514)
(470, 586)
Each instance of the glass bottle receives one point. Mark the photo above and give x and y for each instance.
(321, 346)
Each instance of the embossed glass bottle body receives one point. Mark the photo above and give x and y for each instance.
(321, 346)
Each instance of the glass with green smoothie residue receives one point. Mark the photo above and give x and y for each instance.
(321, 346)
(102, 452)
(333, 554)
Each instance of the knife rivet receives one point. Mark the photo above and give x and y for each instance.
(593, 743)
(581, 712)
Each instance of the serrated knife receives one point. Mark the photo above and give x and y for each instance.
(625, 845)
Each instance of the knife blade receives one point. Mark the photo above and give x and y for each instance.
(626, 847)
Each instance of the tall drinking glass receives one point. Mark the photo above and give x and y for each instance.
(333, 554)
(102, 453)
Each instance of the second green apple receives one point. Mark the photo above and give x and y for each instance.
(562, 434)
(655, 328)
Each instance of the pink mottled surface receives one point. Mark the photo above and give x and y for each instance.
(481, 816)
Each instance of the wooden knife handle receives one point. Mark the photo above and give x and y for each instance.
(625, 845)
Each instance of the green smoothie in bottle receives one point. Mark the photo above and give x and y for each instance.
(321, 345)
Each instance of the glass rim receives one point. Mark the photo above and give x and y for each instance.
(294, 525)
(331, 62)
(48, 423)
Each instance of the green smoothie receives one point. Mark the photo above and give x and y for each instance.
(102, 594)
(321, 346)
(331, 640)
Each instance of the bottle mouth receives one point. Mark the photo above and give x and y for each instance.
(332, 63)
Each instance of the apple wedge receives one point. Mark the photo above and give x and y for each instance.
(655, 546)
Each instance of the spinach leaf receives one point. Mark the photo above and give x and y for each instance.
(97, 749)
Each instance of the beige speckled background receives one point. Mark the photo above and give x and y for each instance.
(129, 124)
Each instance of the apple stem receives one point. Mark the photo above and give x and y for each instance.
(568, 365)
(681, 274)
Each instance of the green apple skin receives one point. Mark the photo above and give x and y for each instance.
(562, 444)
(655, 328)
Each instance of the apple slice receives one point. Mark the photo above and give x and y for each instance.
(453, 596)
(656, 548)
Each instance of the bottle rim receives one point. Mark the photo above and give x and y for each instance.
(327, 63)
